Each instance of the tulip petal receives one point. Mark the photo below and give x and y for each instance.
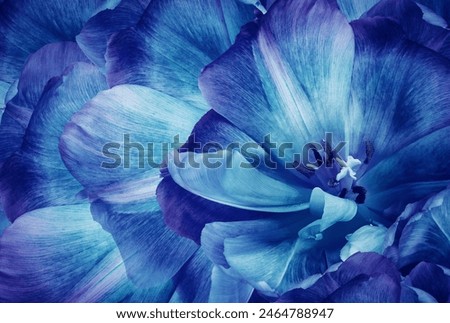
(60, 254)
(413, 20)
(363, 277)
(408, 170)
(26, 26)
(187, 213)
(289, 77)
(193, 280)
(48, 62)
(377, 289)
(129, 118)
(227, 182)
(368, 238)
(32, 177)
(354, 9)
(426, 237)
(123, 135)
(152, 253)
(414, 94)
(172, 43)
(226, 289)
(95, 34)
(431, 279)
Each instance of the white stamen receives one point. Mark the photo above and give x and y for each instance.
(349, 168)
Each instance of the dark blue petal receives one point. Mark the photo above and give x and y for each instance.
(26, 26)
(152, 253)
(34, 176)
(426, 237)
(415, 117)
(48, 62)
(174, 40)
(410, 17)
(414, 95)
(193, 281)
(353, 9)
(60, 254)
(97, 31)
(431, 279)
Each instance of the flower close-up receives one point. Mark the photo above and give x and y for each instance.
(225, 151)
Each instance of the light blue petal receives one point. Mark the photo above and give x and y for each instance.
(4, 222)
(291, 72)
(432, 17)
(172, 43)
(60, 254)
(441, 7)
(235, 182)
(226, 289)
(331, 209)
(109, 140)
(214, 234)
(48, 62)
(35, 176)
(368, 238)
(275, 255)
(354, 9)
(124, 193)
(26, 26)
(4, 87)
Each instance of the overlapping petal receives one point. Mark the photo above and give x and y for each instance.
(119, 165)
(60, 254)
(32, 178)
(290, 78)
(171, 44)
(419, 23)
(26, 26)
(362, 278)
(95, 34)
(48, 62)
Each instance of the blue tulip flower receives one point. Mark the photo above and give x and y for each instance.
(224, 151)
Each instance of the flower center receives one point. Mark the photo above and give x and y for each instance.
(335, 175)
